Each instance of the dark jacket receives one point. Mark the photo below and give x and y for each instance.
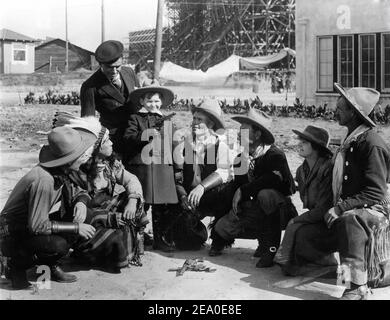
(315, 190)
(157, 180)
(99, 94)
(366, 172)
(271, 171)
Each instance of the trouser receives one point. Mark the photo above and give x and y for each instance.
(217, 201)
(26, 250)
(349, 235)
(258, 219)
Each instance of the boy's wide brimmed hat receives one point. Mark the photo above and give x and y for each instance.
(65, 145)
(318, 136)
(150, 86)
(363, 100)
(109, 51)
(259, 120)
(213, 110)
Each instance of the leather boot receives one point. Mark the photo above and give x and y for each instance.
(58, 275)
(19, 279)
(159, 240)
(217, 245)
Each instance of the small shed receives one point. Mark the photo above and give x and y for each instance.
(16, 52)
(50, 56)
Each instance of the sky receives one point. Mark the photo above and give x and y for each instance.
(46, 18)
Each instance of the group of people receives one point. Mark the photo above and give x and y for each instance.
(183, 178)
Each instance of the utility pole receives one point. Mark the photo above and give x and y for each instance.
(103, 34)
(158, 41)
(66, 38)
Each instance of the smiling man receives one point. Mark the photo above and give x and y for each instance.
(107, 91)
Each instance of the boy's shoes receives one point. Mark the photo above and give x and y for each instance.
(267, 258)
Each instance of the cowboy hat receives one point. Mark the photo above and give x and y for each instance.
(318, 136)
(363, 100)
(150, 86)
(259, 120)
(213, 110)
(109, 51)
(65, 145)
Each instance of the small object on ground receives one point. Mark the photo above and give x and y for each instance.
(192, 265)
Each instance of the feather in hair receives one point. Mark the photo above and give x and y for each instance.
(91, 123)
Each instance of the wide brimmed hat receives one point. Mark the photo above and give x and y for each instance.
(213, 110)
(65, 145)
(150, 86)
(363, 100)
(109, 51)
(318, 136)
(259, 120)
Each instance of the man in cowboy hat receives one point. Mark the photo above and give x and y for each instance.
(107, 91)
(27, 233)
(361, 175)
(204, 165)
(261, 206)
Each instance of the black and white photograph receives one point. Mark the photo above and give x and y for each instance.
(213, 151)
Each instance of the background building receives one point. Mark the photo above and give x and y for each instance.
(342, 41)
(50, 57)
(16, 52)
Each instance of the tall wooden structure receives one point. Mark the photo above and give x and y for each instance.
(201, 33)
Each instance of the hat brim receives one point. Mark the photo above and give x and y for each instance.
(365, 118)
(167, 95)
(219, 123)
(268, 137)
(48, 160)
(311, 140)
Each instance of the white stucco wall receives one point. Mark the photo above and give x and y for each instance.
(11, 66)
(331, 17)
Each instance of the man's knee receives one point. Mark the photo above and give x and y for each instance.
(269, 200)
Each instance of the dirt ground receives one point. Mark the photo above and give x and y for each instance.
(236, 276)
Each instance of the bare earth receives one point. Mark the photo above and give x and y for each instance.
(236, 276)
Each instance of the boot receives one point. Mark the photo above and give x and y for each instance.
(58, 275)
(218, 244)
(159, 240)
(19, 279)
(257, 253)
(270, 239)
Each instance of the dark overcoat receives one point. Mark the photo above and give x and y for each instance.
(157, 180)
(99, 94)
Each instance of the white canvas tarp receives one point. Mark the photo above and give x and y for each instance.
(172, 71)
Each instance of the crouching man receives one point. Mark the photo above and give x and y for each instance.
(203, 168)
(261, 205)
(27, 234)
(361, 175)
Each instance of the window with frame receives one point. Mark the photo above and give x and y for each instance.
(325, 64)
(386, 61)
(367, 60)
(19, 53)
(345, 64)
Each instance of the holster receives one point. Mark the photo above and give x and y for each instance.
(211, 181)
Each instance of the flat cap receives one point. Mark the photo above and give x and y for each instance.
(109, 51)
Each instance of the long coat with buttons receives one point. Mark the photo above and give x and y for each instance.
(157, 180)
(366, 172)
(97, 93)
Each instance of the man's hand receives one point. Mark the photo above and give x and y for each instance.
(195, 195)
(236, 200)
(86, 230)
(79, 212)
(330, 217)
(130, 209)
(185, 205)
